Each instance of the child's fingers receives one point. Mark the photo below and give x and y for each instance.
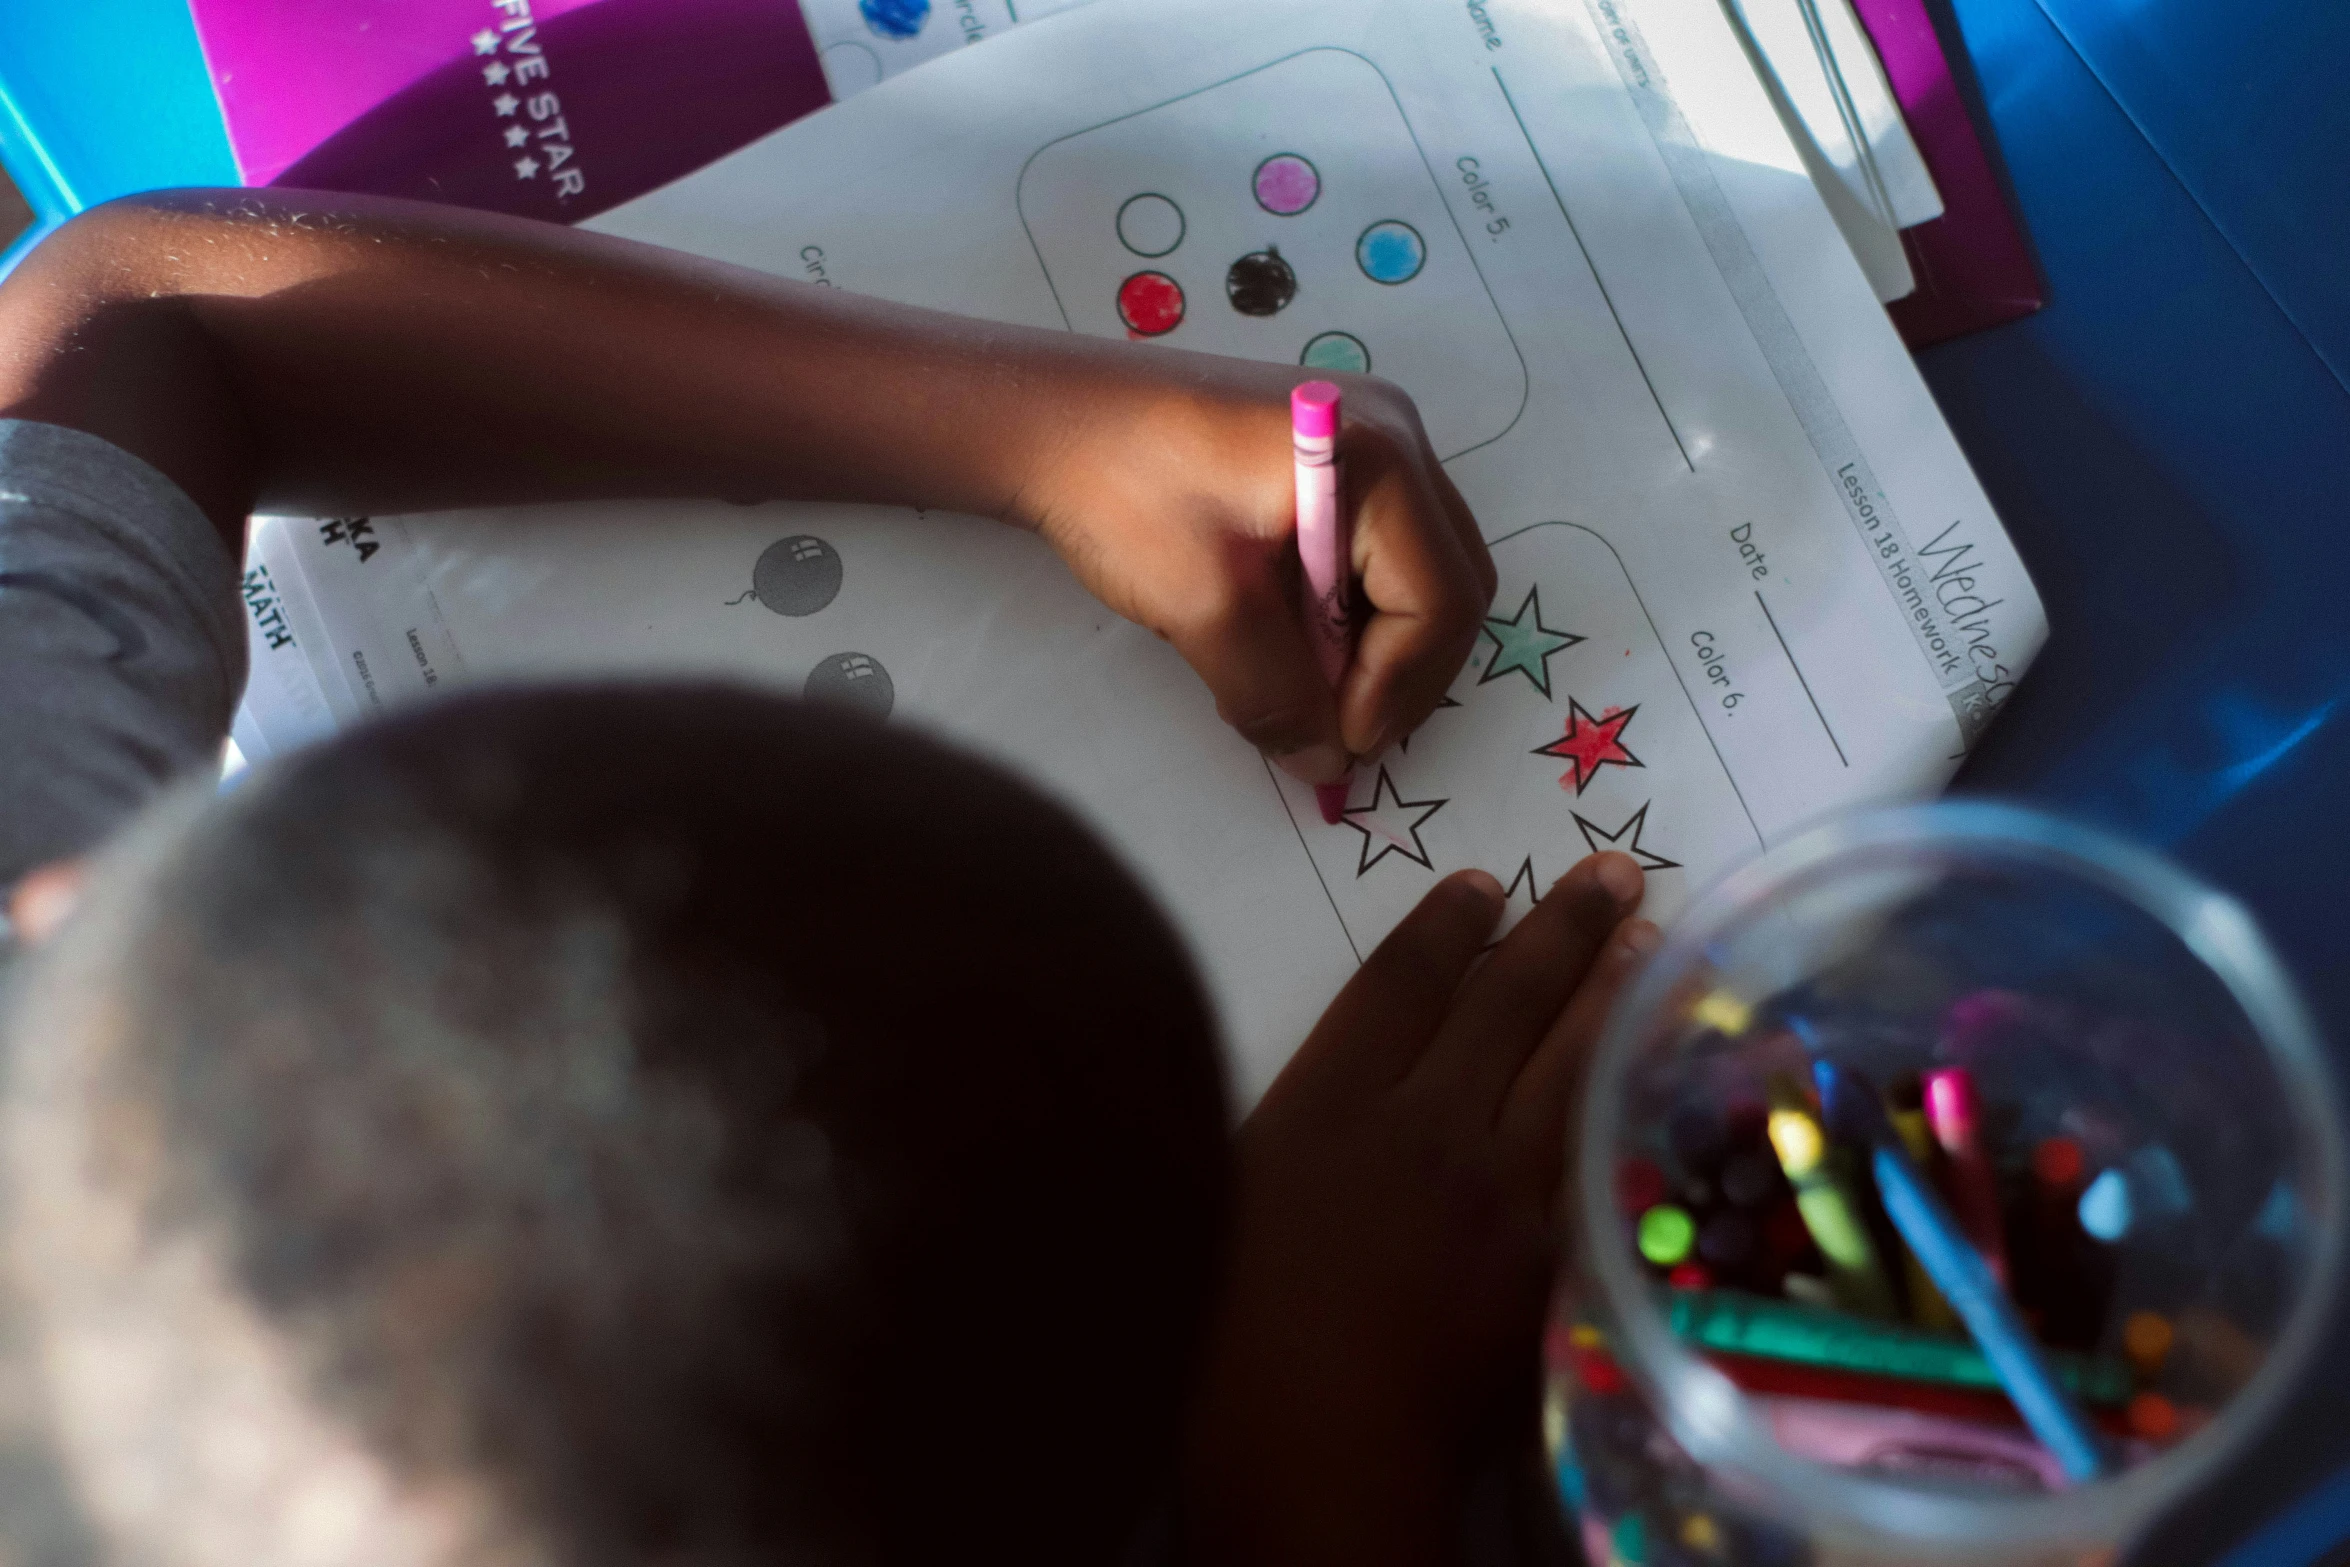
(1535, 1115)
(1464, 527)
(1252, 651)
(1384, 1018)
(1511, 1003)
(1425, 591)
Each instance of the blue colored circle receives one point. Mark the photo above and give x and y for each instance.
(894, 18)
(1391, 252)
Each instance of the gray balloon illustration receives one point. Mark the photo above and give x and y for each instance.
(856, 679)
(797, 576)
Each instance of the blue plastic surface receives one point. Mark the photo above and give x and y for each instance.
(2171, 452)
(100, 98)
(2246, 103)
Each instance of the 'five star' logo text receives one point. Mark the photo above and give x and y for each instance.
(536, 127)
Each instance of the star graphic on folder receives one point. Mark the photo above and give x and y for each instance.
(516, 136)
(505, 103)
(1524, 644)
(1599, 838)
(1590, 744)
(526, 168)
(485, 42)
(1393, 826)
(495, 73)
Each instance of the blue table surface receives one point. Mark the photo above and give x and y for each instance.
(2168, 442)
(2169, 445)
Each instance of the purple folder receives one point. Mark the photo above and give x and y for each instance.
(545, 108)
(1972, 268)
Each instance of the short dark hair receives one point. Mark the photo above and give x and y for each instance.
(734, 1129)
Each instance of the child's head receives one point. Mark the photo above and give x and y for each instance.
(651, 1125)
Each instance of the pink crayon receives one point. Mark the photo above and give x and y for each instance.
(1968, 1183)
(1322, 548)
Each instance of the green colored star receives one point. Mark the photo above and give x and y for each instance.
(1524, 643)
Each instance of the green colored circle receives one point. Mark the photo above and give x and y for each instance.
(1666, 1234)
(1337, 351)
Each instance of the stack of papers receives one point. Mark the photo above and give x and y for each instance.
(1746, 576)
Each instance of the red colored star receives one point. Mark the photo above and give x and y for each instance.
(1590, 744)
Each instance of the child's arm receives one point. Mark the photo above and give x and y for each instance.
(338, 355)
(1396, 1231)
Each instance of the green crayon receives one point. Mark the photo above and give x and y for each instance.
(1731, 1323)
(1830, 1204)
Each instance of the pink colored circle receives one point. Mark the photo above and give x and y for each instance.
(1150, 303)
(1287, 184)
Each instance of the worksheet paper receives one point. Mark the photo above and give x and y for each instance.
(1746, 576)
(1841, 114)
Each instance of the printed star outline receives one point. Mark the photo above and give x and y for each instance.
(1598, 838)
(495, 73)
(526, 168)
(516, 136)
(1524, 648)
(1590, 744)
(485, 42)
(1390, 839)
(1525, 879)
(505, 103)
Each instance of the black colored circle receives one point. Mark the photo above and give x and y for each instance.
(1260, 283)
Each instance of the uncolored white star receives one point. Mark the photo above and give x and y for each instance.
(516, 135)
(1390, 824)
(526, 168)
(495, 73)
(485, 42)
(1599, 838)
(505, 103)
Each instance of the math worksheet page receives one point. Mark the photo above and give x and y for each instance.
(1746, 575)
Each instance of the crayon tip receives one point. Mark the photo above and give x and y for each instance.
(1331, 797)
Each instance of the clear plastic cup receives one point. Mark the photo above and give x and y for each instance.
(2165, 1143)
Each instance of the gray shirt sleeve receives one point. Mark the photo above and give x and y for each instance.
(121, 652)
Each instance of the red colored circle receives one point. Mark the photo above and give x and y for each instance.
(1150, 303)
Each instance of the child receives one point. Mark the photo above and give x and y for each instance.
(444, 1092)
(643, 1124)
(185, 359)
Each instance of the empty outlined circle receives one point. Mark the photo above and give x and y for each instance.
(1150, 303)
(1391, 251)
(1286, 184)
(1260, 283)
(797, 576)
(1336, 351)
(1150, 224)
(854, 680)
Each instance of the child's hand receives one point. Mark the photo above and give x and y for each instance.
(1172, 497)
(1395, 1235)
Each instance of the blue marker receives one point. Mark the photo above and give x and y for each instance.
(1853, 1110)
